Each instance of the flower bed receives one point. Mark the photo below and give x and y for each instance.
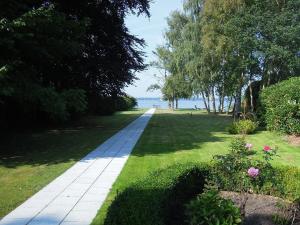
(161, 197)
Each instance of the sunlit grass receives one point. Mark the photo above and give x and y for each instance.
(31, 159)
(188, 136)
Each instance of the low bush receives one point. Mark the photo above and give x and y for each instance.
(159, 198)
(109, 105)
(210, 208)
(240, 172)
(75, 100)
(59, 107)
(125, 103)
(280, 106)
(242, 127)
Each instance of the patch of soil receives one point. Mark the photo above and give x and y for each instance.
(260, 209)
(294, 140)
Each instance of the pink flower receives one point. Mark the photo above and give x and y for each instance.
(249, 146)
(267, 148)
(253, 172)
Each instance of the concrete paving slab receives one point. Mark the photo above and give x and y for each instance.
(75, 197)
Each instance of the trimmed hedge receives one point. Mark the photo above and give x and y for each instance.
(160, 198)
(125, 103)
(281, 106)
(109, 105)
(289, 178)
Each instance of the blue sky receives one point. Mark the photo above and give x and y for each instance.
(151, 30)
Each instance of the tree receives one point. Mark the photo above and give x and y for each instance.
(56, 46)
(222, 47)
(176, 83)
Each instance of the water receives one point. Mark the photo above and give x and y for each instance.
(182, 103)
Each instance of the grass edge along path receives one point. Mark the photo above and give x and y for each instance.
(30, 160)
(181, 137)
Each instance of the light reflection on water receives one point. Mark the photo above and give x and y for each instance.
(182, 103)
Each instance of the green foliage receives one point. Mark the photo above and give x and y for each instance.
(60, 106)
(231, 170)
(52, 104)
(289, 179)
(209, 209)
(281, 106)
(230, 173)
(50, 49)
(108, 105)
(280, 220)
(172, 188)
(220, 47)
(158, 198)
(242, 127)
(125, 103)
(75, 100)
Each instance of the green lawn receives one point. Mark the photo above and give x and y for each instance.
(181, 137)
(29, 160)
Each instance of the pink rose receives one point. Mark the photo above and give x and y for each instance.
(249, 146)
(267, 148)
(253, 172)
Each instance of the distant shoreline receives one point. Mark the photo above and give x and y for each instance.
(182, 103)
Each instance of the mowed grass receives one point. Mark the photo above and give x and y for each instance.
(179, 137)
(31, 159)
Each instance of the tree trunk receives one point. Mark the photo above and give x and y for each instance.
(251, 97)
(222, 103)
(238, 101)
(223, 97)
(208, 101)
(204, 100)
(176, 103)
(229, 105)
(238, 97)
(213, 100)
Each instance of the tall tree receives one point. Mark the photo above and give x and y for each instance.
(224, 46)
(54, 46)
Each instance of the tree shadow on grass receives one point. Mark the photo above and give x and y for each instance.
(165, 133)
(59, 145)
(169, 132)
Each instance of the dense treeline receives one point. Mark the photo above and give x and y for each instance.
(219, 49)
(61, 58)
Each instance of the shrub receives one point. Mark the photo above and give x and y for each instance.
(242, 127)
(102, 105)
(281, 106)
(159, 198)
(59, 107)
(52, 105)
(210, 208)
(75, 100)
(236, 171)
(125, 103)
(109, 105)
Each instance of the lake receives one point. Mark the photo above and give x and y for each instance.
(182, 103)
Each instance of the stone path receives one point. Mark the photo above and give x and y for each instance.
(75, 197)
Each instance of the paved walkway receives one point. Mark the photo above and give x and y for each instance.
(75, 197)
